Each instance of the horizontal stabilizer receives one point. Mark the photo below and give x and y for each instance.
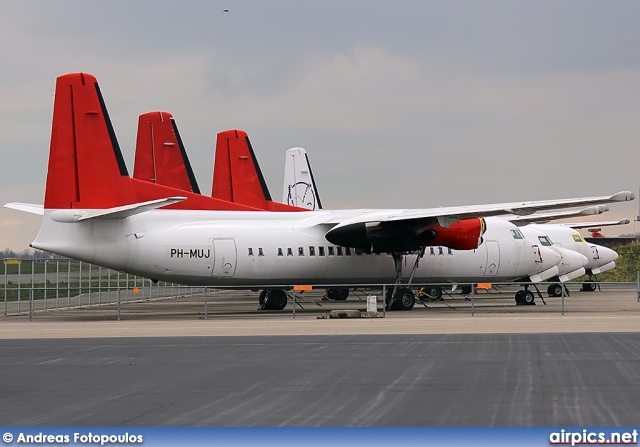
(120, 212)
(26, 207)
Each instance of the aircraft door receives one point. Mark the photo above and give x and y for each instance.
(493, 258)
(224, 257)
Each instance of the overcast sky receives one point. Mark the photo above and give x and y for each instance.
(400, 104)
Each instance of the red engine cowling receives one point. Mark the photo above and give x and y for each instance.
(461, 235)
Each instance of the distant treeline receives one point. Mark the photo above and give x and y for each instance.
(627, 265)
(28, 254)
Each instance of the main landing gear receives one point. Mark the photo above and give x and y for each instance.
(402, 297)
(273, 299)
(525, 296)
(590, 285)
(337, 293)
(556, 289)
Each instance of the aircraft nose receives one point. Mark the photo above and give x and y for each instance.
(571, 260)
(605, 254)
(549, 256)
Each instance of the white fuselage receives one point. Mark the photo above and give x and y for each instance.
(571, 264)
(599, 258)
(226, 248)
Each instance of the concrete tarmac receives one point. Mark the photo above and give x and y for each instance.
(497, 370)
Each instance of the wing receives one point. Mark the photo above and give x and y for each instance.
(454, 227)
(548, 217)
(604, 223)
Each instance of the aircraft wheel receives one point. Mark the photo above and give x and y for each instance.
(405, 299)
(519, 297)
(338, 293)
(528, 297)
(276, 299)
(589, 286)
(435, 292)
(554, 290)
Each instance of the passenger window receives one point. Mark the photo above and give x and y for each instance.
(450, 251)
(330, 250)
(280, 251)
(440, 252)
(300, 251)
(320, 251)
(289, 251)
(347, 251)
(250, 251)
(260, 253)
(431, 251)
(312, 250)
(339, 251)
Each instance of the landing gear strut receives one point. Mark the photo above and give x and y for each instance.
(402, 298)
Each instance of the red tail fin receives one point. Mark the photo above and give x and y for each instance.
(160, 155)
(86, 167)
(237, 176)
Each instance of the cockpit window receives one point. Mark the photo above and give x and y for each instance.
(577, 238)
(516, 234)
(544, 240)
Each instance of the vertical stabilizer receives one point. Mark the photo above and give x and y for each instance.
(86, 167)
(237, 176)
(299, 185)
(160, 155)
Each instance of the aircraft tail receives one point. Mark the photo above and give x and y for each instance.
(86, 167)
(160, 155)
(237, 176)
(299, 185)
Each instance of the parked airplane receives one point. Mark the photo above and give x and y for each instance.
(599, 258)
(576, 259)
(93, 211)
(239, 179)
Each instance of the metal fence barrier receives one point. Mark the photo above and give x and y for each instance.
(70, 290)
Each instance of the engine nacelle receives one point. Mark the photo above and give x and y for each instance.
(461, 235)
(385, 237)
